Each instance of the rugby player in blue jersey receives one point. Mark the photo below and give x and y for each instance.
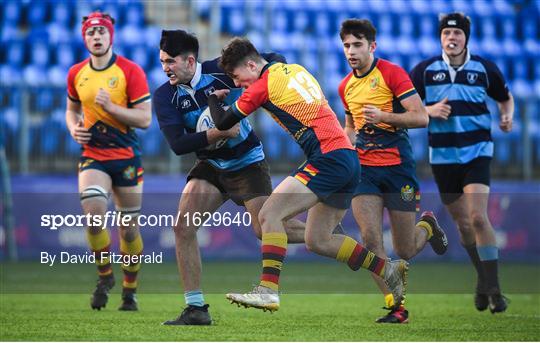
(236, 171)
(454, 87)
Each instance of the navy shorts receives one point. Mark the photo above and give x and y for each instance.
(123, 173)
(452, 178)
(397, 185)
(333, 177)
(241, 185)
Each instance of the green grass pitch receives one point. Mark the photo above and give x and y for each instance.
(321, 302)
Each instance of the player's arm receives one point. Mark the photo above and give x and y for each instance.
(415, 115)
(172, 126)
(140, 115)
(223, 120)
(506, 111)
(252, 98)
(184, 143)
(349, 128)
(498, 90)
(75, 122)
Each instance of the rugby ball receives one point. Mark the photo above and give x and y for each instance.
(205, 122)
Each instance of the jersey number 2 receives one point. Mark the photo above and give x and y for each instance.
(304, 85)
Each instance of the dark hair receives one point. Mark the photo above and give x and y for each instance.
(456, 20)
(179, 42)
(104, 15)
(358, 28)
(236, 52)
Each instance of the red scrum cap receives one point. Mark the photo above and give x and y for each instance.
(98, 19)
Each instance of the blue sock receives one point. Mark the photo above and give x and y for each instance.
(194, 298)
(488, 252)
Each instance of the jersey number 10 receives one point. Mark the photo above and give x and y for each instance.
(302, 83)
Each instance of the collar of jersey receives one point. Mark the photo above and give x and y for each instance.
(111, 62)
(446, 59)
(375, 60)
(196, 77)
(265, 68)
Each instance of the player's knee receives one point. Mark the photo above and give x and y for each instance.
(479, 220)
(265, 217)
(128, 216)
(403, 252)
(94, 199)
(464, 226)
(129, 234)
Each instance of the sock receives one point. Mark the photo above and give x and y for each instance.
(131, 270)
(356, 256)
(475, 259)
(389, 300)
(274, 249)
(101, 242)
(489, 257)
(424, 225)
(194, 298)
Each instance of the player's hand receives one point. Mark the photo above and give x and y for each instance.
(372, 114)
(232, 132)
(440, 110)
(103, 98)
(221, 93)
(506, 122)
(79, 133)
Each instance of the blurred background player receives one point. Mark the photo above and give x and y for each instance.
(323, 185)
(380, 105)
(237, 170)
(107, 97)
(454, 86)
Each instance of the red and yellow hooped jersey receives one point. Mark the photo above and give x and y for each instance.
(296, 102)
(384, 86)
(126, 83)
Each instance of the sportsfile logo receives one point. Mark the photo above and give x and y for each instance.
(117, 219)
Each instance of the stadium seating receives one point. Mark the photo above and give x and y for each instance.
(42, 40)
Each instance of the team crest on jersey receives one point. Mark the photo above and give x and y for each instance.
(374, 82)
(209, 91)
(407, 193)
(439, 77)
(185, 104)
(129, 173)
(471, 77)
(113, 82)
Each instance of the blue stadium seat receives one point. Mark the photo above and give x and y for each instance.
(232, 21)
(62, 14)
(439, 6)
(50, 133)
(70, 146)
(151, 139)
(203, 8)
(141, 55)
(11, 12)
(521, 86)
(152, 35)
(420, 6)
(483, 7)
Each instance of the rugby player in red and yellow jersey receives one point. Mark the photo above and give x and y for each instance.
(324, 184)
(108, 97)
(381, 103)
